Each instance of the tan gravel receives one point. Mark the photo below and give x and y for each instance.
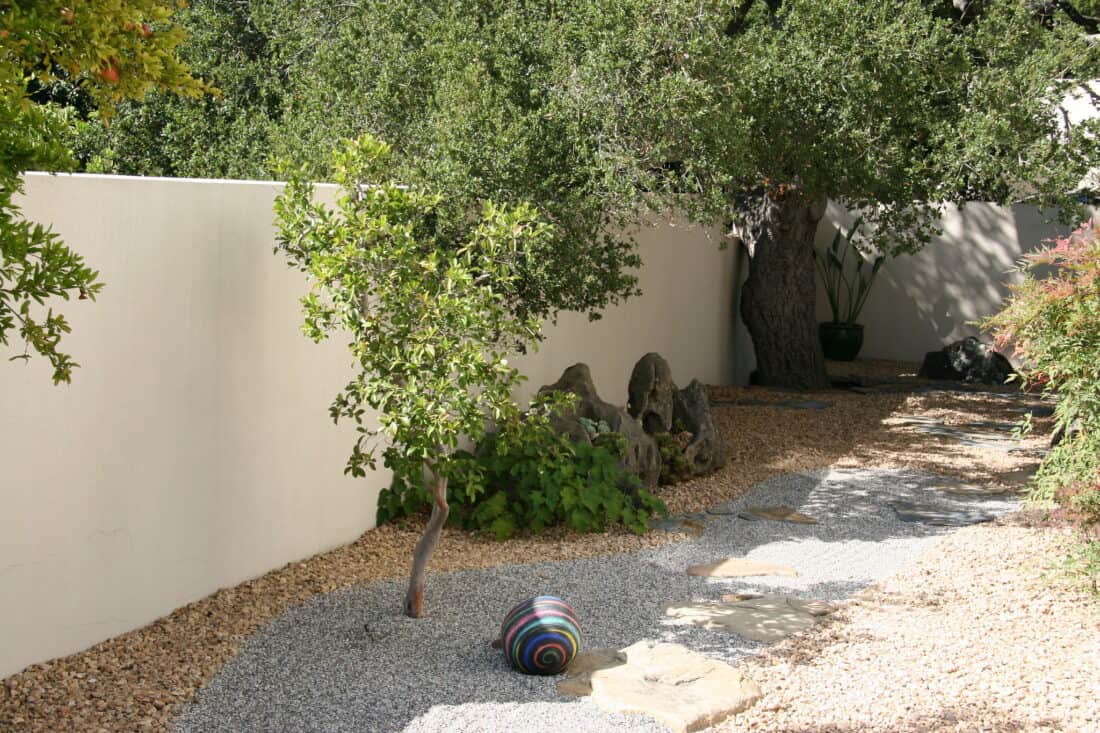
(974, 636)
(138, 680)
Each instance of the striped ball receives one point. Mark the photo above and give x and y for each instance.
(541, 635)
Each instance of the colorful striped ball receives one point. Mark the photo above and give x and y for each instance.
(541, 635)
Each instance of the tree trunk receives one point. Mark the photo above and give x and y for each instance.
(414, 598)
(779, 297)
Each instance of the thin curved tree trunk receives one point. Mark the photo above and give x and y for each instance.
(779, 298)
(414, 598)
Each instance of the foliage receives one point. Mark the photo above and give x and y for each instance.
(426, 314)
(675, 467)
(112, 50)
(525, 476)
(847, 292)
(1052, 319)
(574, 108)
(228, 135)
(882, 106)
(596, 109)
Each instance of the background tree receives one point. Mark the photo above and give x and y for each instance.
(425, 302)
(891, 108)
(574, 108)
(227, 135)
(597, 109)
(110, 49)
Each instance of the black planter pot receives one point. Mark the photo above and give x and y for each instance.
(841, 341)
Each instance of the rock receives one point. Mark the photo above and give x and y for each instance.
(806, 404)
(1061, 433)
(938, 516)
(968, 360)
(692, 410)
(693, 524)
(767, 618)
(642, 457)
(578, 680)
(776, 514)
(739, 567)
(651, 392)
(1019, 477)
(681, 689)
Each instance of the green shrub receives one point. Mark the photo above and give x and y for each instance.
(525, 476)
(675, 467)
(1052, 320)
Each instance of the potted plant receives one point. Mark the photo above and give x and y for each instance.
(847, 286)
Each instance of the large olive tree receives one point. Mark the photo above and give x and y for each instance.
(755, 112)
(893, 108)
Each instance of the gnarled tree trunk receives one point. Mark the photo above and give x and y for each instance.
(779, 297)
(414, 598)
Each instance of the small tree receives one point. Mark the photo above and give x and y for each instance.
(114, 50)
(1052, 322)
(427, 314)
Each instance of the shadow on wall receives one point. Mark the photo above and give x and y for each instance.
(923, 301)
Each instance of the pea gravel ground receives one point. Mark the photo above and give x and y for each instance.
(141, 681)
(347, 662)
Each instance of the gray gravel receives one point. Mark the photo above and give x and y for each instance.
(348, 661)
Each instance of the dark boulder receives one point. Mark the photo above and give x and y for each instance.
(968, 360)
(691, 410)
(641, 457)
(651, 394)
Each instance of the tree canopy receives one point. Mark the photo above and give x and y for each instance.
(110, 50)
(593, 110)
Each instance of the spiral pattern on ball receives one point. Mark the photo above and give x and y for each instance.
(541, 635)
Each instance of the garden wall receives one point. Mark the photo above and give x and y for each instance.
(921, 302)
(194, 449)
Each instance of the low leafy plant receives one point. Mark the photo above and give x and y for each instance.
(1052, 321)
(675, 467)
(847, 286)
(526, 476)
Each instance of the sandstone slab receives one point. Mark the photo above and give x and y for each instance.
(739, 567)
(767, 618)
(776, 514)
(679, 688)
(937, 515)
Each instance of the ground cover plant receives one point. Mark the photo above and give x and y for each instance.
(1052, 319)
(525, 476)
(424, 300)
(109, 50)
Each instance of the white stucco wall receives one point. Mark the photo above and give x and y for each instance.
(194, 449)
(924, 301)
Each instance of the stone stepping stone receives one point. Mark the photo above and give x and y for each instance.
(767, 618)
(807, 404)
(975, 490)
(937, 515)
(679, 688)
(739, 567)
(788, 404)
(974, 438)
(966, 489)
(1005, 427)
(693, 524)
(1021, 477)
(1036, 410)
(775, 514)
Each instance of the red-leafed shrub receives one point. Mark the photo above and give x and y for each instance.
(1052, 322)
